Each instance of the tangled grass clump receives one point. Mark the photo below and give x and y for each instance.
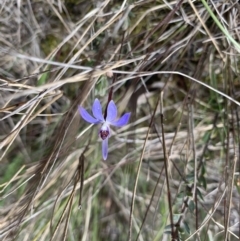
(172, 172)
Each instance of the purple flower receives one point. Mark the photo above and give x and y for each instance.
(110, 119)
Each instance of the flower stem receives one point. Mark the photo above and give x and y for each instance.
(110, 95)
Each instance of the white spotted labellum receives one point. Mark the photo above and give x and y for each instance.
(110, 119)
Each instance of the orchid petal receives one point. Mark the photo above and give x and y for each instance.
(87, 117)
(111, 111)
(122, 121)
(97, 110)
(105, 149)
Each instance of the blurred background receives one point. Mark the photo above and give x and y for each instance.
(172, 173)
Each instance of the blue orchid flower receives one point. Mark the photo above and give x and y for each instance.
(110, 119)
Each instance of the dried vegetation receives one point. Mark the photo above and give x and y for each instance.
(172, 173)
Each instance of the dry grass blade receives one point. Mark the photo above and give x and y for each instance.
(171, 173)
(138, 173)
